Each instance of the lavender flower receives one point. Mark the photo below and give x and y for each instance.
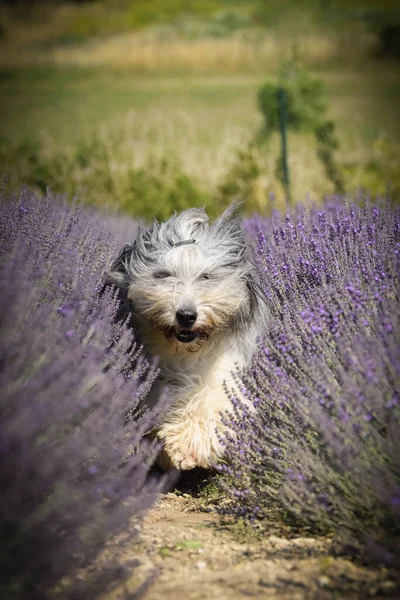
(71, 474)
(324, 442)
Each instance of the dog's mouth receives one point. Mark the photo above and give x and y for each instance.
(185, 336)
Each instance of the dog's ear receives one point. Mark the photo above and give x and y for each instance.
(118, 276)
(118, 272)
(255, 308)
(231, 237)
(230, 219)
(254, 291)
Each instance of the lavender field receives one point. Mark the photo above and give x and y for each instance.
(320, 454)
(72, 474)
(324, 442)
(114, 113)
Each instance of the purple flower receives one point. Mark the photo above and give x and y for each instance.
(326, 378)
(69, 478)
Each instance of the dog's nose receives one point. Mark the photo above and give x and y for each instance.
(186, 317)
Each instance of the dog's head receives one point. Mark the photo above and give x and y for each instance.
(187, 279)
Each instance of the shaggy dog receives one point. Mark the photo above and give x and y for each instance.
(196, 302)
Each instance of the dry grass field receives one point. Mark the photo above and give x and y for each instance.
(90, 131)
(154, 105)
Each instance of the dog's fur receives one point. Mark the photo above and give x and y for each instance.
(187, 264)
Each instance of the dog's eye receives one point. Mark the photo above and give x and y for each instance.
(204, 277)
(161, 274)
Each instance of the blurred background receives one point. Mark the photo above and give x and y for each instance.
(146, 106)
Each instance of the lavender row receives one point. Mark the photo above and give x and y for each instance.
(72, 475)
(324, 442)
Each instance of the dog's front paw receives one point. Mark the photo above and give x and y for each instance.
(184, 461)
(168, 459)
(191, 444)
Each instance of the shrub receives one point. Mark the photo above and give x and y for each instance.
(101, 172)
(69, 478)
(305, 101)
(389, 40)
(306, 109)
(378, 171)
(160, 189)
(323, 443)
(241, 180)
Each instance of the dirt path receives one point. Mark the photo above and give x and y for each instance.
(197, 556)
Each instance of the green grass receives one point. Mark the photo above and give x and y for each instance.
(68, 104)
(162, 110)
(189, 35)
(52, 23)
(124, 139)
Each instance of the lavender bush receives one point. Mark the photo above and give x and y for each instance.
(69, 478)
(324, 441)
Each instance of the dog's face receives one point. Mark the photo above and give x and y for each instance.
(188, 280)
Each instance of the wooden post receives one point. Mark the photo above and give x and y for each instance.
(283, 129)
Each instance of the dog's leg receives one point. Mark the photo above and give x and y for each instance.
(190, 432)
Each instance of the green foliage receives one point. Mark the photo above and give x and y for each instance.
(161, 144)
(327, 144)
(306, 109)
(91, 169)
(79, 21)
(143, 12)
(240, 179)
(159, 189)
(328, 32)
(255, 178)
(305, 99)
(389, 40)
(378, 173)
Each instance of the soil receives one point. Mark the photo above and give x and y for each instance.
(186, 550)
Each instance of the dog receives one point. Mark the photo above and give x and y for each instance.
(196, 302)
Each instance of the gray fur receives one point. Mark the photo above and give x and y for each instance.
(224, 254)
(187, 264)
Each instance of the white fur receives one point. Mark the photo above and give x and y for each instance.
(212, 274)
